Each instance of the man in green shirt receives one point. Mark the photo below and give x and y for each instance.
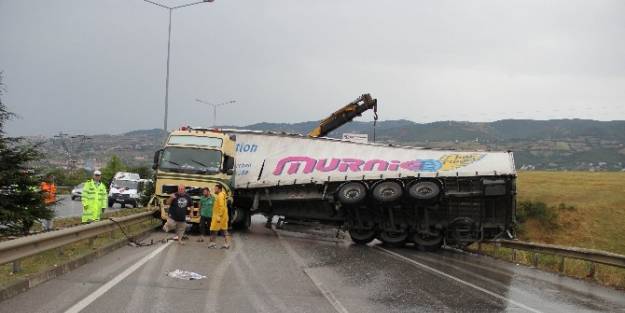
(206, 212)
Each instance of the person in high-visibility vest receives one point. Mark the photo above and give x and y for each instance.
(48, 188)
(94, 198)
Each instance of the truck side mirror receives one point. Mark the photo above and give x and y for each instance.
(228, 167)
(157, 157)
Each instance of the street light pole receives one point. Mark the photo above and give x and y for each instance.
(215, 108)
(167, 73)
(171, 9)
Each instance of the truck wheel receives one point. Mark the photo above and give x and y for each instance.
(362, 236)
(428, 242)
(111, 203)
(393, 238)
(387, 191)
(424, 190)
(246, 220)
(352, 193)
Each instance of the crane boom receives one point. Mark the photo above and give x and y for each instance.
(345, 115)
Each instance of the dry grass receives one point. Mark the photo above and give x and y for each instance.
(595, 213)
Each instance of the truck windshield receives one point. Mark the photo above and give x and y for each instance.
(190, 160)
(128, 184)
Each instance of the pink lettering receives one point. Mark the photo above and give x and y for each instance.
(394, 165)
(294, 164)
(369, 165)
(322, 167)
(414, 165)
(351, 164)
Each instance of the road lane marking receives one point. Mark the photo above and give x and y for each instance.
(111, 283)
(336, 304)
(464, 282)
(326, 293)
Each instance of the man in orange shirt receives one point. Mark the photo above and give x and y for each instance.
(48, 188)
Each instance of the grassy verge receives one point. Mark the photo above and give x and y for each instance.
(582, 209)
(66, 222)
(578, 209)
(603, 274)
(56, 257)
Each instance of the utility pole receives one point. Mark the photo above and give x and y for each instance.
(72, 145)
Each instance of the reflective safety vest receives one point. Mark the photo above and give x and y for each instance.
(49, 192)
(94, 200)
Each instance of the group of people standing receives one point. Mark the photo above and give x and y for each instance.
(213, 208)
(213, 214)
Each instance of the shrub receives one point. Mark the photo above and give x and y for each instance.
(563, 206)
(537, 210)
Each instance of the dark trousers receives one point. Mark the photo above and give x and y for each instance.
(205, 224)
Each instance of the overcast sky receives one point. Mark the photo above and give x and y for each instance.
(91, 67)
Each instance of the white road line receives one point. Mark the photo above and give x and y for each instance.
(336, 304)
(110, 284)
(476, 287)
(326, 293)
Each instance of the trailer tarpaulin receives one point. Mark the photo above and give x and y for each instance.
(272, 159)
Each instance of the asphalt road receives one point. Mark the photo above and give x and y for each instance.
(66, 207)
(270, 270)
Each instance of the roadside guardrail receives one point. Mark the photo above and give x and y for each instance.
(590, 255)
(17, 249)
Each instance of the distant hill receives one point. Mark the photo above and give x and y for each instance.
(564, 144)
(154, 132)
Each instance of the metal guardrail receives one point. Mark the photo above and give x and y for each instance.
(590, 255)
(17, 249)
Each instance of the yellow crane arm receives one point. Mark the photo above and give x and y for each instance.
(345, 114)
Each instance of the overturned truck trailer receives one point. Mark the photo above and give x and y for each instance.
(395, 194)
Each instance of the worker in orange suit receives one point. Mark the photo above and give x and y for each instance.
(48, 188)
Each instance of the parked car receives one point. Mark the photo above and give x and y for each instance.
(77, 191)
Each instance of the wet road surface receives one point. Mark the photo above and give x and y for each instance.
(270, 270)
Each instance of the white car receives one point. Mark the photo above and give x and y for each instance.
(77, 191)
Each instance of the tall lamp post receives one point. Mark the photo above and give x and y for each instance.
(215, 105)
(171, 9)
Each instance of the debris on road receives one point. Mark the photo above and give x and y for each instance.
(185, 275)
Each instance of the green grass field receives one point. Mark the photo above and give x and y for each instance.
(589, 208)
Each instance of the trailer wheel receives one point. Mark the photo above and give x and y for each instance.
(246, 223)
(352, 193)
(424, 190)
(362, 236)
(428, 242)
(393, 238)
(387, 191)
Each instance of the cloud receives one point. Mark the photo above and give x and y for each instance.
(99, 67)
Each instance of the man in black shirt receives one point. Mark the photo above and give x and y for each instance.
(179, 202)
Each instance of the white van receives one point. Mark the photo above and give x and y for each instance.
(127, 188)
